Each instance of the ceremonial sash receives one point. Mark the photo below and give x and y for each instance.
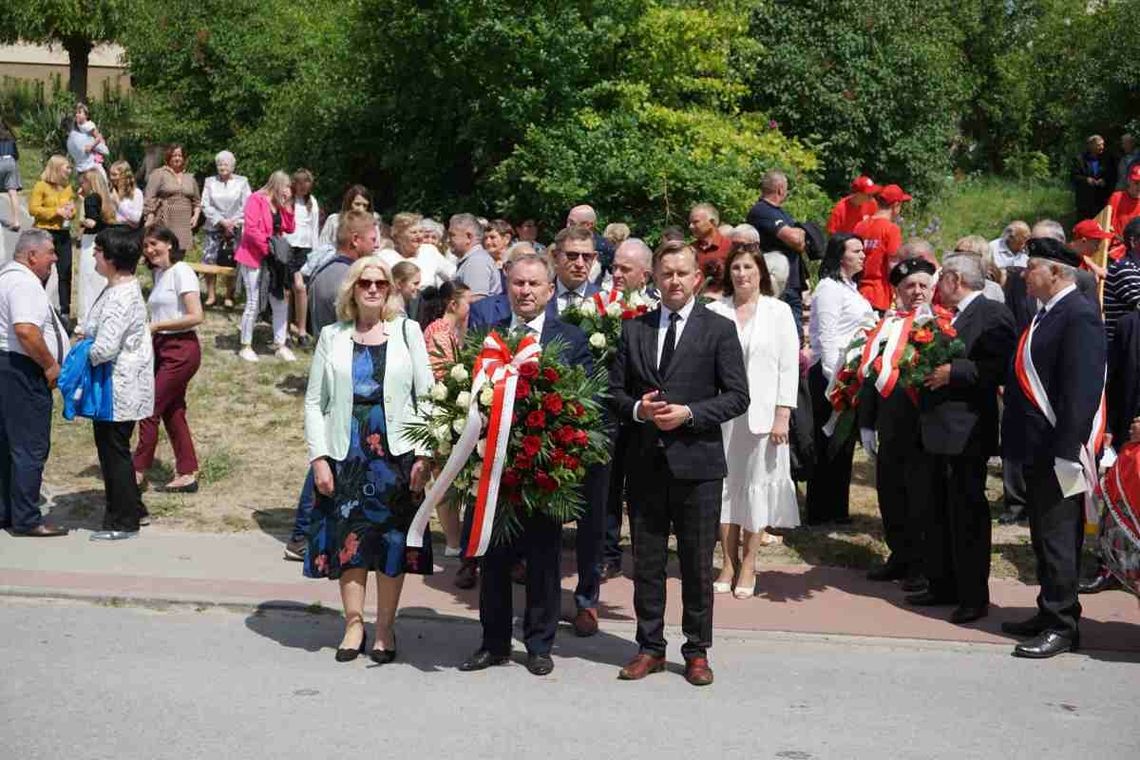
(1033, 389)
(497, 366)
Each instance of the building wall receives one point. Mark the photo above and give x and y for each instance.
(42, 62)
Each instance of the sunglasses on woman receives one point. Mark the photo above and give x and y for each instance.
(364, 284)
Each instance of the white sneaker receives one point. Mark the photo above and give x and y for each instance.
(285, 355)
(248, 354)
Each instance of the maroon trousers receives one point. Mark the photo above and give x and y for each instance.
(176, 360)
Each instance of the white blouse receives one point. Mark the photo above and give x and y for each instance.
(306, 230)
(165, 299)
(434, 268)
(130, 210)
(837, 312)
(224, 201)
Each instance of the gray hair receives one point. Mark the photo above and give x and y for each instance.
(1015, 228)
(225, 157)
(28, 240)
(468, 222)
(1064, 271)
(434, 227)
(778, 270)
(709, 209)
(968, 268)
(771, 182)
(1048, 228)
(917, 248)
(535, 258)
(746, 232)
(638, 248)
(520, 248)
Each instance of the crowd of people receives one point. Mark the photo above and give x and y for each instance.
(717, 399)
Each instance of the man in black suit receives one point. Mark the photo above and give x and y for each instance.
(530, 287)
(1052, 395)
(959, 425)
(889, 431)
(679, 373)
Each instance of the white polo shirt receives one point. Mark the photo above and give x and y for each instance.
(23, 300)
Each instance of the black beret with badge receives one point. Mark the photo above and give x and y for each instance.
(907, 267)
(1052, 250)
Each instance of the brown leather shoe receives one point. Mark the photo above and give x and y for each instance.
(41, 531)
(586, 622)
(468, 574)
(698, 672)
(641, 666)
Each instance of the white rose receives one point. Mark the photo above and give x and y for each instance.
(614, 309)
(444, 448)
(597, 340)
(439, 392)
(459, 424)
(637, 298)
(586, 308)
(481, 447)
(487, 395)
(442, 433)
(459, 373)
(463, 400)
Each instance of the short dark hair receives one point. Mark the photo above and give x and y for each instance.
(836, 247)
(758, 258)
(166, 154)
(572, 233)
(434, 301)
(164, 234)
(1131, 234)
(121, 247)
(673, 247)
(352, 193)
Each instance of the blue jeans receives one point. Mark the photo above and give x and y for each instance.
(304, 509)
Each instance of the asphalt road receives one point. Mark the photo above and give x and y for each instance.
(79, 681)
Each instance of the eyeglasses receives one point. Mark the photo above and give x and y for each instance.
(574, 256)
(364, 284)
(737, 246)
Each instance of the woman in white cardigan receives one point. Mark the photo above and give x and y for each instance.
(758, 491)
(367, 372)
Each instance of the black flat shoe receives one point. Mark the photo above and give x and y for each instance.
(1047, 644)
(348, 655)
(188, 488)
(539, 664)
(483, 659)
(928, 599)
(1031, 627)
(384, 656)
(965, 614)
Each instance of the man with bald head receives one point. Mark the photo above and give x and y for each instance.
(1009, 249)
(585, 216)
(779, 232)
(633, 265)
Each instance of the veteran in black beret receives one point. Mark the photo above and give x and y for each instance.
(1053, 394)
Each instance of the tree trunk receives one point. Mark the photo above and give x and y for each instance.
(78, 49)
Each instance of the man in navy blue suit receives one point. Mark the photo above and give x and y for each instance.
(530, 287)
(1052, 394)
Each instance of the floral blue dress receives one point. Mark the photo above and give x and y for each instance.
(364, 524)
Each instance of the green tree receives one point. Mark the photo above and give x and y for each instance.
(77, 25)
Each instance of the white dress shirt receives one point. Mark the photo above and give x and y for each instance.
(961, 307)
(561, 295)
(534, 326)
(1058, 296)
(837, 312)
(1003, 257)
(662, 327)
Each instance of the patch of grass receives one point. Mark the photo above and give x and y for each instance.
(235, 522)
(216, 466)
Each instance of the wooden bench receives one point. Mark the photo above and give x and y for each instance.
(214, 269)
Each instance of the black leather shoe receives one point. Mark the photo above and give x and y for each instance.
(913, 584)
(1102, 581)
(348, 655)
(44, 530)
(1045, 645)
(483, 659)
(887, 572)
(539, 664)
(965, 614)
(928, 599)
(1031, 627)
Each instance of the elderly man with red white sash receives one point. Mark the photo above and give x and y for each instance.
(1053, 425)
(889, 430)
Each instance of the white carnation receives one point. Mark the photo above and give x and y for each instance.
(444, 448)
(463, 400)
(597, 340)
(442, 433)
(586, 308)
(637, 298)
(459, 373)
(438, 392)
(459, 424)
(614, 309)
(487, 395)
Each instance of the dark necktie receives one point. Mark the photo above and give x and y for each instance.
(670, 343)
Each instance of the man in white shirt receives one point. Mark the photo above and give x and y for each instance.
(32, 346)
(1009, 249)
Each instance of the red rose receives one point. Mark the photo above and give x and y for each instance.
(557, 457)
(579, 410)
(522, 390)
(572, 462)
(564, 435)
(523, 462)
(550, 374)
(529, 370)
(581, 438)
(552, 403)
(531, 445)
(536, 419)
(628, 314)
(545, 482)
(643, 309)
(514, 497)
(922, 335)
(511, 477)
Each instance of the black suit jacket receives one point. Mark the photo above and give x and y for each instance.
(894, 417)
(962, 418)
(1069, 355)
(706, 374)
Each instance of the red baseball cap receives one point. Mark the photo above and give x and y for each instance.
(1090, 230)
(893, 194)
(864, 184)
(1134, 173)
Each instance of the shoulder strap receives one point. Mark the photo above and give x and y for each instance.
(55, 322)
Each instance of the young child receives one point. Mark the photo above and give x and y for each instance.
(84, 124)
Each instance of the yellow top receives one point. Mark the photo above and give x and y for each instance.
(45, 203)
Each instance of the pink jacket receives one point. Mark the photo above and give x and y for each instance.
(258, 228)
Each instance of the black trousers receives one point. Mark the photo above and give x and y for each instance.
(958, 531)
(615, 502)
(63, 267)
(1056, 528)
(903, 487)
(25, 438)
(658, 502)
(540, 544)
(124, 503)
(590, 537)
(829, 486)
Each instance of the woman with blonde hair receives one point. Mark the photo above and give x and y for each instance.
(125, 194)
(268, 213)
(98, 214)
(367, 371)
(172, 197)
(52, 206)
(409, 246)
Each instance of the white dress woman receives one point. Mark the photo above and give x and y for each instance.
(758, 491)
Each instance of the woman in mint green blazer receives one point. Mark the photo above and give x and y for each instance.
(367, 371)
